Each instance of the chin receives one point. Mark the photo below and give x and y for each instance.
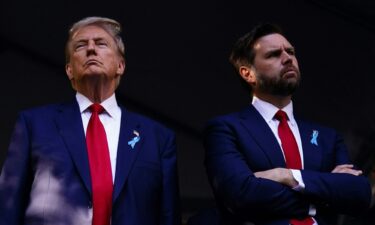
(94, 73)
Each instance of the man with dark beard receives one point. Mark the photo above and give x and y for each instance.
(264, 165)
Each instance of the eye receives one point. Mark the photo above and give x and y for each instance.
(291, 51)
(79, 46)
(102, 43)
(272, 54)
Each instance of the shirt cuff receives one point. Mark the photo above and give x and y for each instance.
(298, 177)
(312, 210)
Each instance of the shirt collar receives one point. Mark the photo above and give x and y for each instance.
(268, 111)
(110, 105)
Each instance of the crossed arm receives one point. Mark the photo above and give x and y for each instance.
(285, 176)
(245, 182)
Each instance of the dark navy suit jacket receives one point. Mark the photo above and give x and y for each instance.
(240, 144)
(46, 178)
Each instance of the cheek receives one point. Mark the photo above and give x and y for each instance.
(113, 61)
(266, 64)
(267, 68)
(74, 66)
(296, 63)
(78, 56)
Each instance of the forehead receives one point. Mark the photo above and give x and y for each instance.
(91, 32)
(271, 41)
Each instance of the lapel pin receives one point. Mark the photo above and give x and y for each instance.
(135, 139)
(314, 137)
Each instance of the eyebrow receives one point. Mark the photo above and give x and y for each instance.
(278, 50)
(279, 47)
(86, 39)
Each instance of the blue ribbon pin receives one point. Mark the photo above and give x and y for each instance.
(314, 137)
(135, 139)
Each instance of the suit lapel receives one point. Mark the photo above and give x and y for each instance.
(312, 155)
(262, 134)
(126, 154)
(69, 124)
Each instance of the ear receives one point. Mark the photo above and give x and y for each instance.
(68, 70)
(248, 74)
(121, 67)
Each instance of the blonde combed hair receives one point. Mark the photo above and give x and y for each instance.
(112, 27)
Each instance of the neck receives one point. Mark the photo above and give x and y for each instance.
(96, 90)
(278, 101)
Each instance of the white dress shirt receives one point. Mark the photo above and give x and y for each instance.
(268, 111)
(111, 120)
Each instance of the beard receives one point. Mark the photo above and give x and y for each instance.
(278, 85)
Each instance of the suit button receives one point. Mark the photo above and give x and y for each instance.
(89, 205)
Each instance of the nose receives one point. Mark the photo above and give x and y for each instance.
(91, 48)
(286, 57)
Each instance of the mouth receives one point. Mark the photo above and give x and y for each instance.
(92, 62)
(289, 72)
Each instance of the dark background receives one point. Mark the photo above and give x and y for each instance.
(178, 72)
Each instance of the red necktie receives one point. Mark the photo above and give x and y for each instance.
(100, 168)
(291, 153)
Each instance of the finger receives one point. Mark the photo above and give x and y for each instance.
(339, 168)
(345, 166)
(349, 171)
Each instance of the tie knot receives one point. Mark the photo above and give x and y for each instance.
(96, 108)
(281, 115)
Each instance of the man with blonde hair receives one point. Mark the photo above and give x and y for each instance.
(90, 161)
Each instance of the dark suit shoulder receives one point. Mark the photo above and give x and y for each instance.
(43, 108)
(315, 126)
(44, 111)
(230, 117)
(147, 122)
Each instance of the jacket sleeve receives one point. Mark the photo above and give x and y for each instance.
(15, 177)
(340, 192)
(235, 185)
(170, 208)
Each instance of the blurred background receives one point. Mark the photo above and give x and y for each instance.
(177, 68)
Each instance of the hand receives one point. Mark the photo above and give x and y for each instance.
(347, 168)
(280, 175)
